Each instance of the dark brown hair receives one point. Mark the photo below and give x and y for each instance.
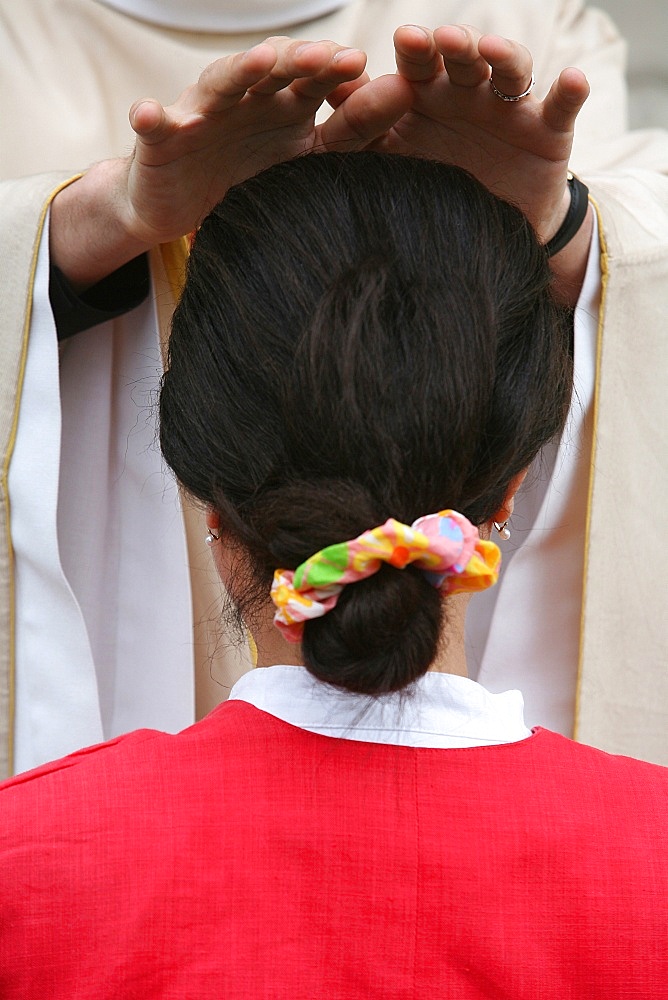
(361, 336)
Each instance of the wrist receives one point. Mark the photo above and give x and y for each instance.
(91, 229)
(567, 238)
(574, 206)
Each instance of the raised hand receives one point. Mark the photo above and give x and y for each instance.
(244, 113)
(518, 149)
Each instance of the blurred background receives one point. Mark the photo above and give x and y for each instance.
(645, 25)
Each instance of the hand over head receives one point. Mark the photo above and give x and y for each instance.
(518, 149)
(245, 113)
(257, 108)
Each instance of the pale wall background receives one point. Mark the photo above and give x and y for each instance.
(644, 23)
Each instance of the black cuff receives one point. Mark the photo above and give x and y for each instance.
(115, 295)
(575, 216)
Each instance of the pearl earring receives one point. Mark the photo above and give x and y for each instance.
(502, 529)
(211, 538)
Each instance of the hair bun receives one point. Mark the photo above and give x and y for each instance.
(382, 634)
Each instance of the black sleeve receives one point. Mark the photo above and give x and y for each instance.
(116, 294)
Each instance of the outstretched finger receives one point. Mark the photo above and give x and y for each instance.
(294, 58)
(148, 120)
(225, 82)
(565, 99)
(366, 114)
(345, 66)
(416, 54)
(221, 85)
(320, 66)
(458, 45)
(511, 62)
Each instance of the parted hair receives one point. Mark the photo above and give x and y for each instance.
(361, 336)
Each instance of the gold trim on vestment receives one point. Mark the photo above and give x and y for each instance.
(592, 460)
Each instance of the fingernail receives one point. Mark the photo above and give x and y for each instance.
(418, 27)
(305, 47)
(255, 48)
(345, 52)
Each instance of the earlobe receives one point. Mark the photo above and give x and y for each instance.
(213, 524)
(505, 511)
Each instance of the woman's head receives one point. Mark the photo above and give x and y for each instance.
(360, 337)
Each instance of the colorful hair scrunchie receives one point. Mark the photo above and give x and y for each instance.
(446, 546)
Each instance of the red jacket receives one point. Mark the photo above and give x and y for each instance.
(246, 858)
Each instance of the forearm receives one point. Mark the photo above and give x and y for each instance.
(570, 264)
(90, 233)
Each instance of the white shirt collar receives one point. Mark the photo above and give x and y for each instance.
(439, 710)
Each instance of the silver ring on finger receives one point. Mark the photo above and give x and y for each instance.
(513, 97)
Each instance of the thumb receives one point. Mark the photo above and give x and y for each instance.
(365, 114)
